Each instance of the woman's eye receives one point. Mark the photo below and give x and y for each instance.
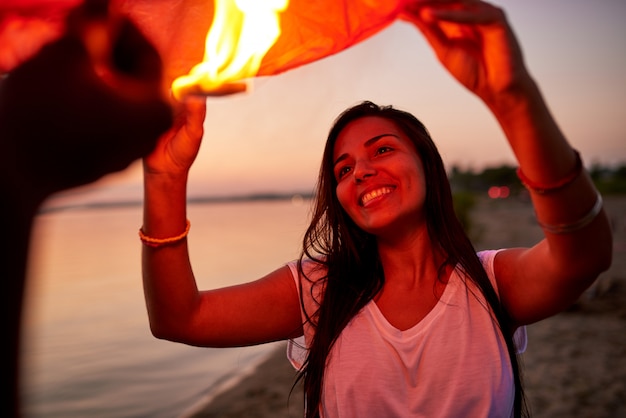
(383, 150)
(343, 171)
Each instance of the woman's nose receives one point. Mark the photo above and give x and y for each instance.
(362, 170)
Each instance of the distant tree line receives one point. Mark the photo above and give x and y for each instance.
(608, 180)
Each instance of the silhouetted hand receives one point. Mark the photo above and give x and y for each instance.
(86, 105)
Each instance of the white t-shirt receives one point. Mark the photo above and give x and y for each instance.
(453, 363)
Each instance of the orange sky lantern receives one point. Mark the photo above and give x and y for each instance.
(249, 38)
(212, 47)
(241, 34)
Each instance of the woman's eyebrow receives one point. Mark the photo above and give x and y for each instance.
(375, 139)
(367, 143)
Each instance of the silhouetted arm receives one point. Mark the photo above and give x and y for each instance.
(68, 115)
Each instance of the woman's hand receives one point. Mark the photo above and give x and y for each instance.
(177, 149)
(475, 43)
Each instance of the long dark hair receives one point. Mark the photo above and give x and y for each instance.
(350, 256)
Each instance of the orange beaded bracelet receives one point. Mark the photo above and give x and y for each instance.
(159, 242)
(549, 188)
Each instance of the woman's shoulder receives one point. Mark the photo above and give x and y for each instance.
(487, 258)
(309, 269)
(309, 275)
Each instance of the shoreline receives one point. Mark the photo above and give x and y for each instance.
(265, 391)
(231, 382)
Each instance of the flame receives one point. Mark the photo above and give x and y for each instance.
(241, 34)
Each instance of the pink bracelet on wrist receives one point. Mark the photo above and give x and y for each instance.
(549, 188)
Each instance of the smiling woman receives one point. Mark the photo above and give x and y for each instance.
(405, 253)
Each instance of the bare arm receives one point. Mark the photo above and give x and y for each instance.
(475, 43)
(264, 310)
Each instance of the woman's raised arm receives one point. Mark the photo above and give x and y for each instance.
(476, 44)
(265, 310)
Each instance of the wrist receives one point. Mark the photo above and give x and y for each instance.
(164, 204)
(163, 188)
(518, 97)
(164, 177)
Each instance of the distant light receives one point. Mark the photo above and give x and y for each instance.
(499, 192)
(297, 200)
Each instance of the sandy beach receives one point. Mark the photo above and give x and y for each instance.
(575, 364)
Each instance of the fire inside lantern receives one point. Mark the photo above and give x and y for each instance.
(241, 34)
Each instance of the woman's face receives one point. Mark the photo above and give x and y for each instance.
(380, 177)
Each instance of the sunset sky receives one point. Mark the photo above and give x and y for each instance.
(271, 138)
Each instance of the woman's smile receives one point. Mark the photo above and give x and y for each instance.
(375, 195)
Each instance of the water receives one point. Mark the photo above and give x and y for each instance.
(87, 349)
